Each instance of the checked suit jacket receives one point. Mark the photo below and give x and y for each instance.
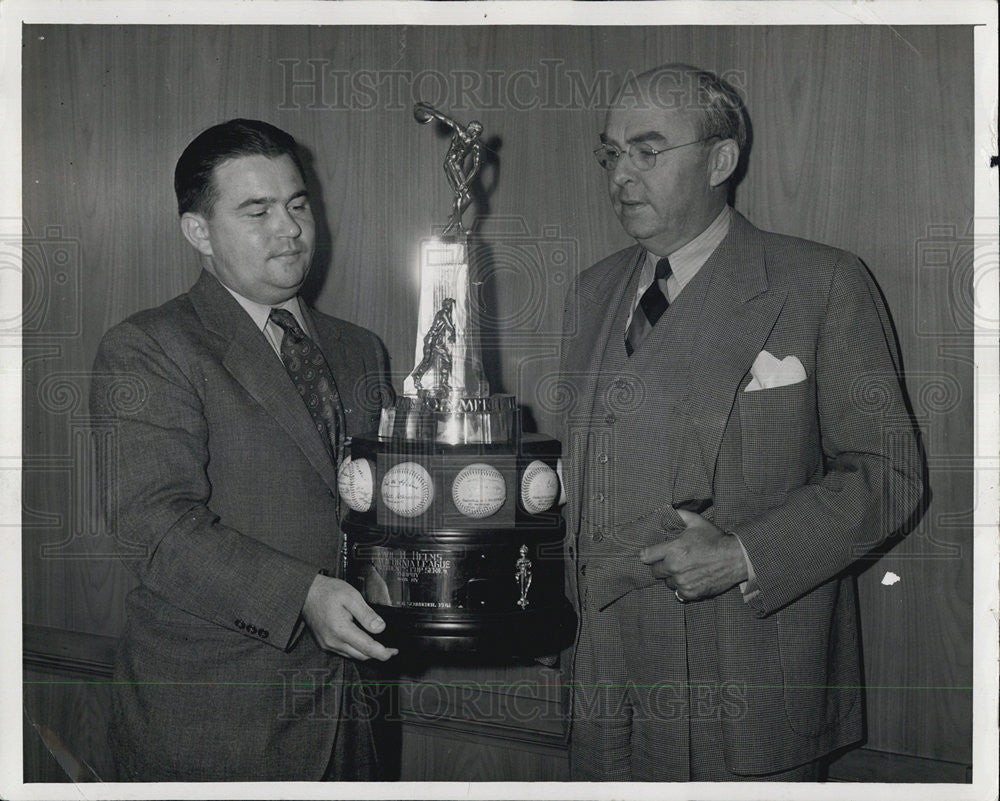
(223, 498)
(810, 476)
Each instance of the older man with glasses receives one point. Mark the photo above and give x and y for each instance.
(721, 477)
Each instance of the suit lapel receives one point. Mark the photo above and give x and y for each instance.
(253, 363)
(739, 312)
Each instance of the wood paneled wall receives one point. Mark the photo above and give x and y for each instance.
(862, 139)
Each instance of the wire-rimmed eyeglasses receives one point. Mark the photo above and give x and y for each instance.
(642, 156)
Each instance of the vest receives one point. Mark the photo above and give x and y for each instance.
(641, 451)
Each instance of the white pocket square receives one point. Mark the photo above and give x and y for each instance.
(770, 372)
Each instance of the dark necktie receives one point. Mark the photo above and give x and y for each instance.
(311, 375)
(651, 306)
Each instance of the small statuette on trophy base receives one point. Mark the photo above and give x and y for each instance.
(523, 576)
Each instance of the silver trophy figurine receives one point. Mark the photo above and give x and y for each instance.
(465, 145)
(438, 342)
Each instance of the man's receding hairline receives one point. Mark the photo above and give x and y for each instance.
(640, 84)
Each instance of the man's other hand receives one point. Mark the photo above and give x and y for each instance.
(338, 617)
(702, 562)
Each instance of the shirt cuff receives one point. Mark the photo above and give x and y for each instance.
(300, 624)
(749, 587)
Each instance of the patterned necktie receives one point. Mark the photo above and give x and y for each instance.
(651, 306)
(311, 375)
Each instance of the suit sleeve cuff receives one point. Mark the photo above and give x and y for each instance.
(300, 623)
(749, 587)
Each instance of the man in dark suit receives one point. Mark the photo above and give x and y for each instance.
(230, 405)
(738, 438)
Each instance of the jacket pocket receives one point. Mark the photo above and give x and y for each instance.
(817, 649)
(779, 435)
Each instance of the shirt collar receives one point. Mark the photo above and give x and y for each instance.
(260, 312)
(688, 259)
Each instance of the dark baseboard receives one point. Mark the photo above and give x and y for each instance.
(62, 651)
(869, 765)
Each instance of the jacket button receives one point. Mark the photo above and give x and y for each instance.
(597, 536)
(610, 419)
(251, 629)
(602, 458)
(239, 624)
(262, 634)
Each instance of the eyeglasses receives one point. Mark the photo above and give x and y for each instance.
(642, 156)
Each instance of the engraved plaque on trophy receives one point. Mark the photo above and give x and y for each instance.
(454, 534)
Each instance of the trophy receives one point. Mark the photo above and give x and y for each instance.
(454, 533)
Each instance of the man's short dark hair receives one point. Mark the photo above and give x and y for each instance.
(193, 175)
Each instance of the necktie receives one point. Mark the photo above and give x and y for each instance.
(311, 375)
(651, 306)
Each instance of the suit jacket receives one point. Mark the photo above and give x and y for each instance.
(810, 475)
(223, 498)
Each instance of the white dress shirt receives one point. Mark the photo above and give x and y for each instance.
(684, 262)
(261, 312)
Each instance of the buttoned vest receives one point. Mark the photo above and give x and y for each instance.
(641, 450)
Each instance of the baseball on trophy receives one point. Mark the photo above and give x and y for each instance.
(407, 489)
(356, 483)
(479, 490)
(539, 487)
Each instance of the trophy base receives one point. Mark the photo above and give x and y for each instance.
(528, 633)
(459, 547)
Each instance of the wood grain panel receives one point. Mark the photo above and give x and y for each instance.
(862, 139)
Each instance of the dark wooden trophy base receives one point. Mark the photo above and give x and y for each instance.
(447, 582)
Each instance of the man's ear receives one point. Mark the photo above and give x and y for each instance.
(722, 162)
(195, 229)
